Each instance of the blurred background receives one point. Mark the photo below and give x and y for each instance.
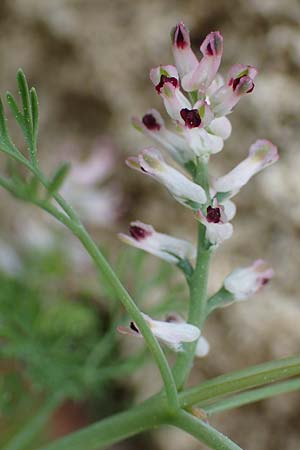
(90, 60)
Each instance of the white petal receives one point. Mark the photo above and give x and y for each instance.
(229, 209)
(202, 348)
(216, 233)
(221, 126)
(173, 334)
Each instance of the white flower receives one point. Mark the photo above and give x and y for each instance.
(246, 281)
(202, 347)
(171, 334)
(170, 249)
(185, 191)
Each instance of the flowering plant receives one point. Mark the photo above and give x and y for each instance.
(198, 100)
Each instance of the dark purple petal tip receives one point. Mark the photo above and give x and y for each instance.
(164, 79)
(138, 233)
(191, 117)
(213, 215)
(150, 122)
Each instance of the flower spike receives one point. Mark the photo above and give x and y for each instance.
(166, 247)
(185, 191)
(173, 335)
(246, 281)
(261, 155)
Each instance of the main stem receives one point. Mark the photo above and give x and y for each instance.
(198, 289)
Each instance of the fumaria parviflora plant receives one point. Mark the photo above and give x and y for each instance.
(198, 100)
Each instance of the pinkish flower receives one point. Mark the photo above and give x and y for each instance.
(170, 249)
(246, 281)
(173, 335)
(200, 78)
(185, 191)
(166, 82)
(261, 155)
(240, 82)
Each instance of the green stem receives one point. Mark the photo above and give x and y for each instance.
(218, 300)
(153, 412)
(22, 440)
(114, 429)
(252, 396)
(133, 311)
(204, 432)
(198, 290)
(239, 380)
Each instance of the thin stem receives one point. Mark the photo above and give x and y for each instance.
(252, 396)
(22, 440)
(114, 429)
(204, 432)
(239, 380)
(132, 310)
(219, 299)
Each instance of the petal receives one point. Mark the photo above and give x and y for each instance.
(202, 142)
(229, 209)
(221, 127)
(216, 233)
(202, 348)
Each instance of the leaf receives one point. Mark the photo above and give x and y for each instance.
(35, 112)
(13, 106)
(58, 178)
(26, 101)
